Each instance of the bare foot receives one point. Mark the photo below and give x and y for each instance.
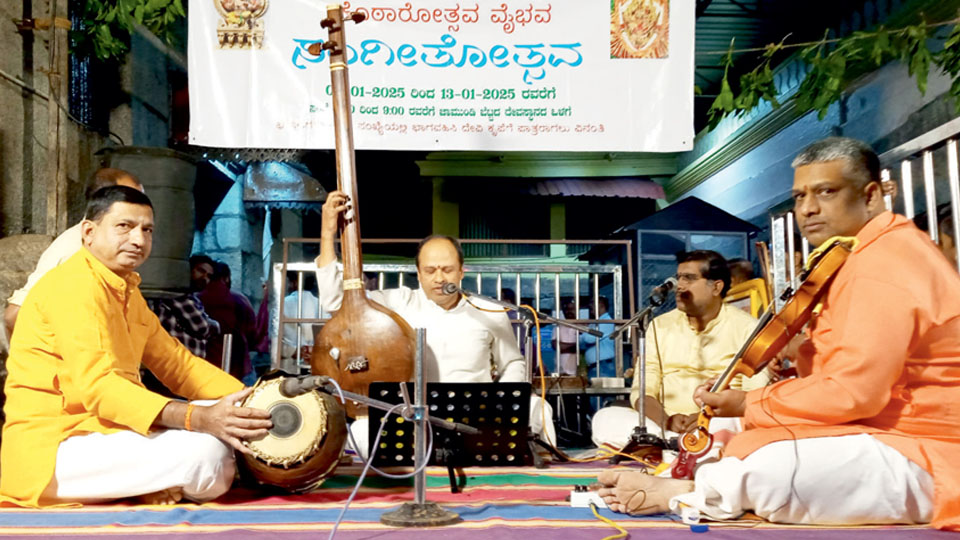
(637, 493)
(165, 497)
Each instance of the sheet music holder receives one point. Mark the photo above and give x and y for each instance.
(501, 411)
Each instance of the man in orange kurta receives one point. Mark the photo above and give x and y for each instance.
(871, 430)
(80, 425)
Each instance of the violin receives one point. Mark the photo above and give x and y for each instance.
(772, 333)
(365, 341)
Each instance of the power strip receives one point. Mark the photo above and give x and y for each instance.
(583, 499)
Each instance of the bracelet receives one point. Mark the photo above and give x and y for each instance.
(186, 420)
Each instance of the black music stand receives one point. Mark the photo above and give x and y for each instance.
(501, 411)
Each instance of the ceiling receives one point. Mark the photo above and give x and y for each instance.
(754, 23)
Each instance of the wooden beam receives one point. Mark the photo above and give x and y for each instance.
(57, 122)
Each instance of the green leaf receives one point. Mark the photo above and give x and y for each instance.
(725, 98)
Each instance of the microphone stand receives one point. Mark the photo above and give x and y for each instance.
(294, 386)
(640, 439)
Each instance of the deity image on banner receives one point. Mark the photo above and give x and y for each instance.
(639, 28)
(240, 27)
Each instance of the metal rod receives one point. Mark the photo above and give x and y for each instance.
(791, 248)
(906, 182)
(558, 313)
(954, 177)
(226, 353)
(299, 315)
(596, 315)
(777, 251)
(887, 199)
(420, 433)
(930, 191)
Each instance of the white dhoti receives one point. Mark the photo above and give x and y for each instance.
(360, 428)
(97, 468)
(851, 479)
(612, 427)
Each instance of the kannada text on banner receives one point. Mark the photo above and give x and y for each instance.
(441, 75)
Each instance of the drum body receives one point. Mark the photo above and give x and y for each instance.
(306, 441)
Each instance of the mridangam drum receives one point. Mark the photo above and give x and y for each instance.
(304, 446)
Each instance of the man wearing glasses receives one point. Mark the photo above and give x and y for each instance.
(685, 347)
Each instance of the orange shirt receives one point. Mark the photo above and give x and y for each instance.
(74, 368)
(886, 361)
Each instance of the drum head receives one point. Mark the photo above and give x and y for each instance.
(299, 424)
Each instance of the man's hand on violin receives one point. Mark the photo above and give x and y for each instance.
(727, 402)
(681, 423)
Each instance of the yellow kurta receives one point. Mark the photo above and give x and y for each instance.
(688, 358)
(74, 368)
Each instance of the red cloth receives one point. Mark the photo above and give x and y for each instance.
(886, 362)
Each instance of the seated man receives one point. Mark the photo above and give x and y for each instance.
(684, 348)
(869, 431)
(462, 342)
(600, 351)
(80, 425)
(234, 313)
(183, 317)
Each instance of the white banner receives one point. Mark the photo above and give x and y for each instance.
(592, 75)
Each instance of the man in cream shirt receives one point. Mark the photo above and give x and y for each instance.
(684, 348)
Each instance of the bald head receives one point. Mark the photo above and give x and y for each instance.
(440, 261)
(108, 176)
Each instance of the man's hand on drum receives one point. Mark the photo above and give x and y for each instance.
(727, 402)
(230, 423)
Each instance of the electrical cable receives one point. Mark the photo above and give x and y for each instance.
(368, 463)
(607, 452)
(623, 532)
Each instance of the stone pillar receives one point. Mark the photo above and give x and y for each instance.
(233, 236)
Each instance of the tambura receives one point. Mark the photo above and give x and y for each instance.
(305, 443)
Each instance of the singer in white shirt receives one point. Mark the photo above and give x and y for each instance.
(464, 343)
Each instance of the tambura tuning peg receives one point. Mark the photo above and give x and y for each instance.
(328, 23)
(357, 17)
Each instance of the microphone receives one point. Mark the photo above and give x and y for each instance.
(659, 293)
(450, 288)
(295, 386)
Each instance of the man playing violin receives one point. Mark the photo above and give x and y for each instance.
(869, 431)
(685, 347)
